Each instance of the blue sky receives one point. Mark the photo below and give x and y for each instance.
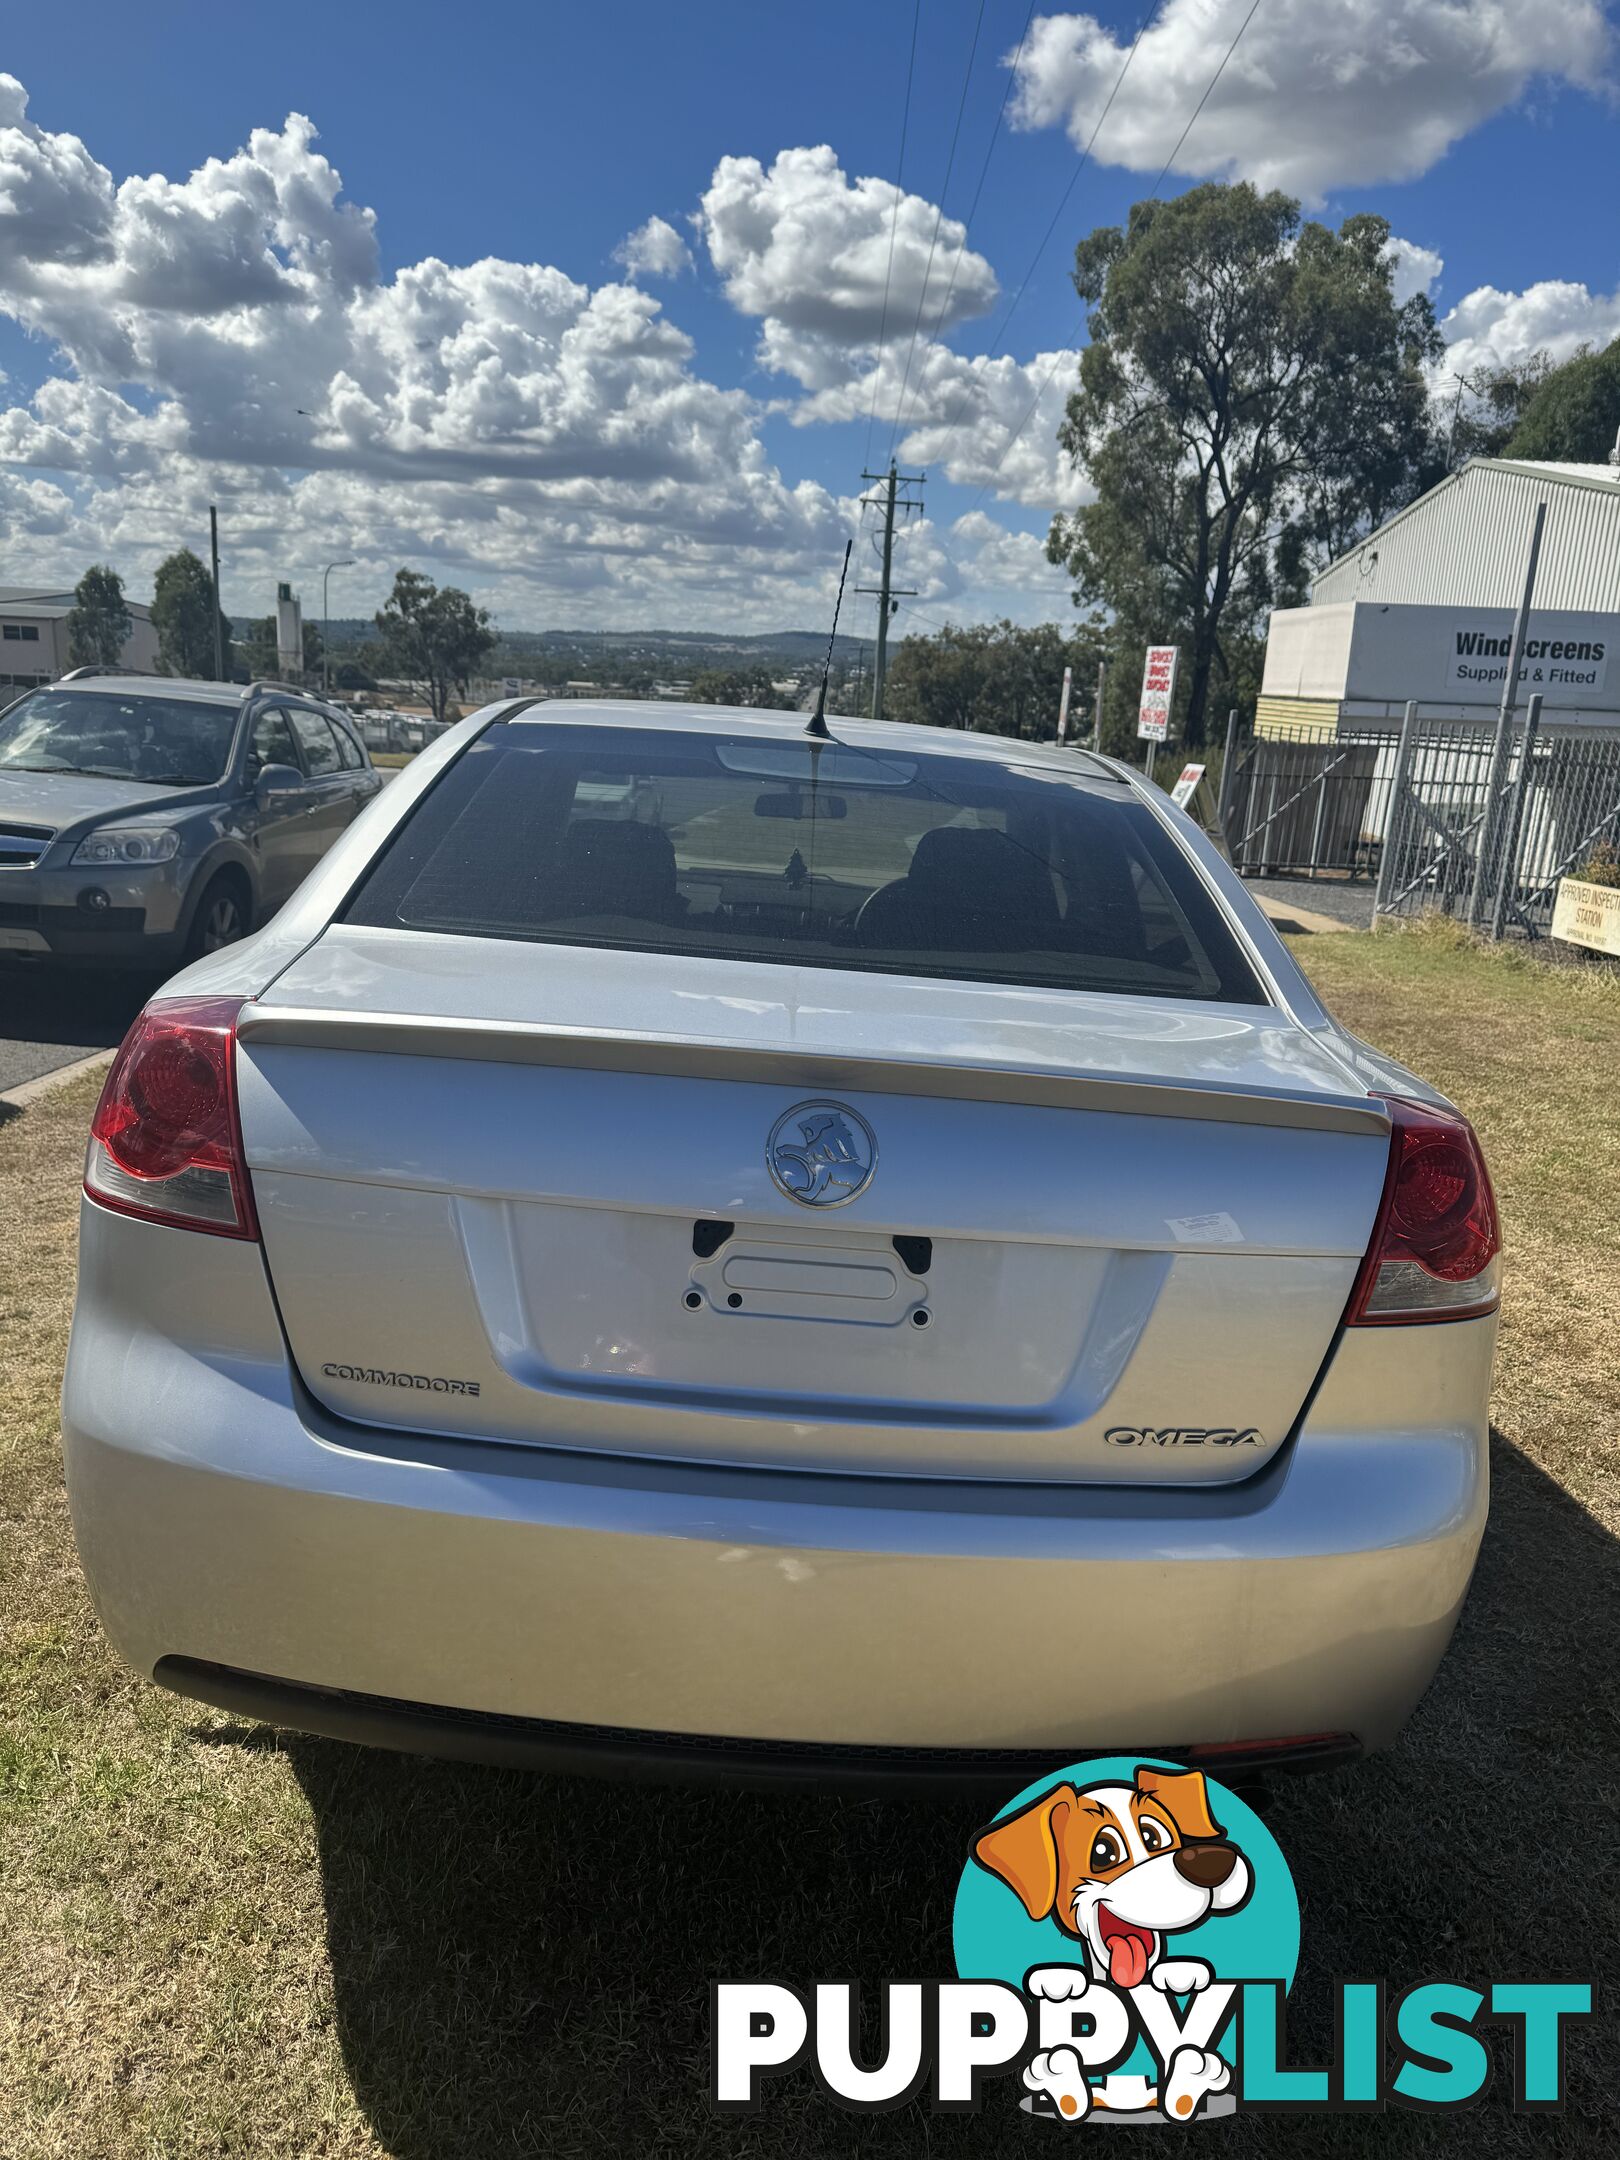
(604, 487)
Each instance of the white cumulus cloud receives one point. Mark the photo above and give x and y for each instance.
(1491, 329)
(807, 250)
(1319, 94)
(983, 422)
(804, 244)
(655, 249)
(1414, 269)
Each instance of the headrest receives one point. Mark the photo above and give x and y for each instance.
(969, 868)
(643, 851)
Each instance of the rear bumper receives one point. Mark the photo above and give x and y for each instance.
(225, 1520)
(610, 1751)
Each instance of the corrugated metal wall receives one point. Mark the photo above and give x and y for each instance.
(1466, 542)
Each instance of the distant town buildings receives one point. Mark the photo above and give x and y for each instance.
(34, 636)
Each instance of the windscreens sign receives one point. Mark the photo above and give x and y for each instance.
(1449, 656)
(1550, 664)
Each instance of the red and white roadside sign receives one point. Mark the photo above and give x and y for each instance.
(1158, 688)
(1187, 786)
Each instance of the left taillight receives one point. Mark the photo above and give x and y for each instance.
(166, 1141)
(1436, 1246)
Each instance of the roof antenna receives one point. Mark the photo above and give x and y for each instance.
(818, 719)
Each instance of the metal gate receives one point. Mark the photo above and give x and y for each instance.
(1496, 860)
(1305, 804)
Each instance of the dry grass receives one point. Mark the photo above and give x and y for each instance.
(1534, 1058)
(165, 1988)
(219, 1943)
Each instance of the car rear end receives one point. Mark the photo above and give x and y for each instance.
(458, 1362)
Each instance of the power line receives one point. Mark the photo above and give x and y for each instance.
(939, 214)
(932, 621)
(1204, 100)
(1052, 223)
(1059, 357)
(973, 206)
(894, 220)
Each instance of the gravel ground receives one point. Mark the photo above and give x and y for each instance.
(1346, 901)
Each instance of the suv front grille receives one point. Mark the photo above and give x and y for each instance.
(21, 846)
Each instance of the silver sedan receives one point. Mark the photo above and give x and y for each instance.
(691, 1244)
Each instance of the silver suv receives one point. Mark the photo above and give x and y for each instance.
(145, 820)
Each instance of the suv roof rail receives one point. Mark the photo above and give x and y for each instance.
(78, 674)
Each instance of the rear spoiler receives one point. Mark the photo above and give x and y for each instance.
(815, 1071)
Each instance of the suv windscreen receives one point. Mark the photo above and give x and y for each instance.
(775, 850)
(171, 742)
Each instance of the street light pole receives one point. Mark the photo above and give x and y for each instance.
(219, 613)
(344, 562)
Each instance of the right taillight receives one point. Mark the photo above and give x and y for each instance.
(1435, 1251)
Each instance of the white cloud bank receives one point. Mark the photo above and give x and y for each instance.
(230, 337)
(1319, 94)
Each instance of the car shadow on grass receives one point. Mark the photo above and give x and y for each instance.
(522, 1964)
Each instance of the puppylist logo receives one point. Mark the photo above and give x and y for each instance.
(1125, 1934)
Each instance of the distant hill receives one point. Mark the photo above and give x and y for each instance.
(695, 647)
(797, 645)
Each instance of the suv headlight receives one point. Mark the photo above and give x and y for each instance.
(115, 844)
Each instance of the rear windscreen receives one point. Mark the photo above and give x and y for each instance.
(664, 840)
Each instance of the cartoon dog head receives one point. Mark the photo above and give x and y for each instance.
(1120, 1866)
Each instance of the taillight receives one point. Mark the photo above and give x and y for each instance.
(166, 1142)
(1435, 1251)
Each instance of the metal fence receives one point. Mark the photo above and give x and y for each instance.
(1296, 802)
(1487, 839)
(1431, 811)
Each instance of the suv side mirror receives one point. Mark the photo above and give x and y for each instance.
(276, 785)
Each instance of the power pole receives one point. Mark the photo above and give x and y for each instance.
(896, 497)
